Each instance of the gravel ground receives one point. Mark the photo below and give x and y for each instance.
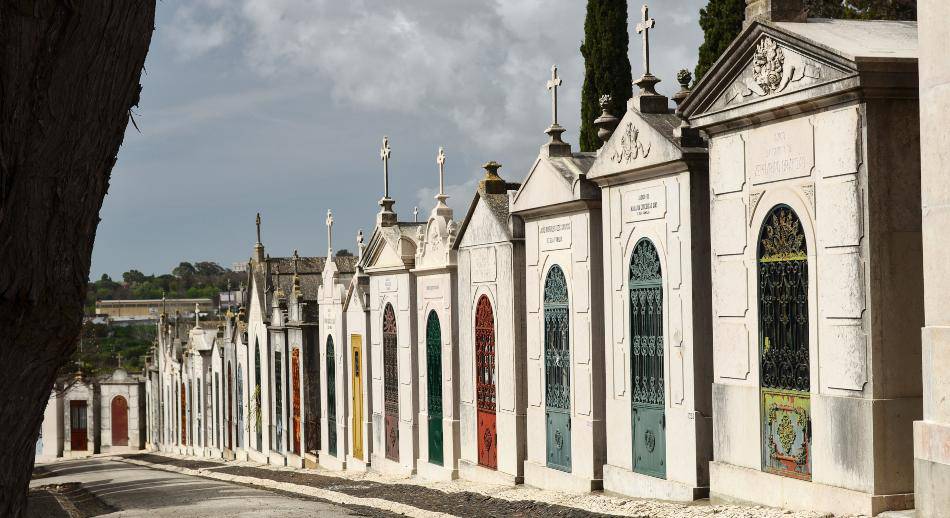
(469, 499)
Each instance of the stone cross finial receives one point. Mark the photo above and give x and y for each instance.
(384, 154)
(359, 244)
(415, 214)
(258, 222)
(643, 28)
(329, 233)
(440, 159)
(553, 84)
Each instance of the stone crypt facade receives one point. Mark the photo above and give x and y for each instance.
(816, 263)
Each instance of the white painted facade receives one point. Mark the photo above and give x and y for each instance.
(357, 313)
(332, 327)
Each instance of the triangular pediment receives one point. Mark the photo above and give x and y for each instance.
(764, 63)
(545, 185)
(483, 227)
(383, 250)
(639, 141)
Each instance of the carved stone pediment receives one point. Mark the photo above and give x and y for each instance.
(772, 68)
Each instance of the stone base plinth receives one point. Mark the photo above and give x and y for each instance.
(310, 461)
(629, 483)
(381, 464)
(543, 477)
(735, 484)
(471, 471)
(429, 471)
(228, 455)
(276, 459)
(331, 462)
(932, 468)
(357, 465)
(294, 460)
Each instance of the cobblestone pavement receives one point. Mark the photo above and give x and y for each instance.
(414, 497)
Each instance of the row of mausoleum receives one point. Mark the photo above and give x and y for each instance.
(724, 300)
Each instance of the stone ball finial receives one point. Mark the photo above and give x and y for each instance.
(684, 78)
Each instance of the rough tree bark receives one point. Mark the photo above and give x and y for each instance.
(69, 75)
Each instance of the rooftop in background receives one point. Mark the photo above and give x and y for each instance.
(860, 39)
(150, 309)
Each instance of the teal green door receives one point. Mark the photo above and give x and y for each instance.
(557, 372)
(331, 397)
(648, 414)
(434, 386)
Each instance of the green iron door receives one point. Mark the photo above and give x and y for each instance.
(557, 372)
(783, 346)
(434, 386)
(648, 414)
(331, 397)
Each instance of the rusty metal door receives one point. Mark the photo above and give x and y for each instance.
(391, 383)
(184, 416)
(295, 383)
(78, 438)
(120, 421)
(485, 383)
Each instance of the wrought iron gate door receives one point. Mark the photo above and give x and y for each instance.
(434, 386)
(783, 346)
(485, 383)
(557, 370)
(295, 384)
(391, 383)
(356, 344)
(230, 402)
(184, 417)
(331, 397)
(648, 414)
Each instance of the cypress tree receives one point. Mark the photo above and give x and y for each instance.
(721, 21)
(606, 65)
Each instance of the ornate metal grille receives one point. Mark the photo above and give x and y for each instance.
(257, 415)
(239, 436)
(230, 402)
(331, 396)
(295, 407)
(646, 322)
(485, 355)
(391, 382)
(648, 411)
(783, 345)
(434, 386)
(278, 406)
(557, 353)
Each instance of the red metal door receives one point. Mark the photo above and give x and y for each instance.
(230, 414)
(184, 419)
(295, 379)
(77, 426)
(485, 383)
(120, 422)
(391, 383)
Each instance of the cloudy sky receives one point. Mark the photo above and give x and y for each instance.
(280, 106)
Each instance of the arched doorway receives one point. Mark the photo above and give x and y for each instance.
(391, 383)
(230, 402)
(485, 383)
(785, 377)
(239, 438)
(120, 421)
(258, 411)
(356, 344)
(331, 397)
(648, 410)
(434, 386)
(295, 384)
(184, 417)
(557, 370)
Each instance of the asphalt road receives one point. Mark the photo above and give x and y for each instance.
(132, 490)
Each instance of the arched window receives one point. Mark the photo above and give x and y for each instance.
(557, 370)
(331, 396)
(434, 386)
(391, 382)
(485, 383)
(648, 413)
(785, 378)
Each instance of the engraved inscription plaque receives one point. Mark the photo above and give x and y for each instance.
(781, 151)
(644, 204)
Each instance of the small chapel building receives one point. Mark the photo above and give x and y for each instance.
(388, 260)
(816, 261)
(491, 288)
(437, 335)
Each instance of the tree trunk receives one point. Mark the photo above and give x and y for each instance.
(69, 75)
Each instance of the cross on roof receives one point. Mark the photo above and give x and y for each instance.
(643, 28)
(384, 154)
(415, 214)
(329, 233)
(553, 83)
(258, 222)
(440, 159)
(359, 245)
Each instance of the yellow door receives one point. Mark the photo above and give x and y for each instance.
(356, 344)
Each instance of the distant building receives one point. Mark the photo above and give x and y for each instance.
(148, 310)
